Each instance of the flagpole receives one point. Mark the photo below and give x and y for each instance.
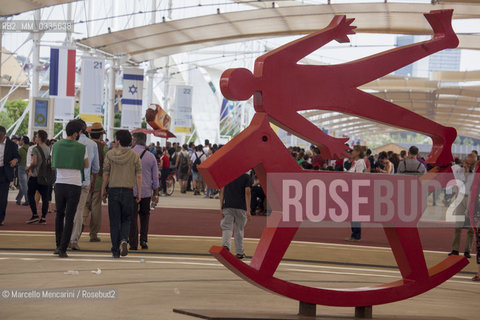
(111, 101)
(35, 74)
(150, 74)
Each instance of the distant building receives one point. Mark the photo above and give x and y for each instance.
(406, 71)
(445, 60)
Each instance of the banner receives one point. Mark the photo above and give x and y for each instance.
(91, 93)
(183, 114)
(64, 108)
(132, 97)
(62, 81)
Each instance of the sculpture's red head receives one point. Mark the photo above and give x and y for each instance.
(237, 84)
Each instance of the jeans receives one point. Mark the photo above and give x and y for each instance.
(356, 230)
(257, 199)
(33, 186)
(66, 198)
(120, 208)
(22, 184)
(163, 179)
(141, 209)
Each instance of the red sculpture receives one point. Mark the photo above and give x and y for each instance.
(281, 87)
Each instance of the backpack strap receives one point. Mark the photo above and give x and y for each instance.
(101, 156)
(141, 156)
(419, 164)
(41, 153)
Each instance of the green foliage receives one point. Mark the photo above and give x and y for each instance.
(14, 110)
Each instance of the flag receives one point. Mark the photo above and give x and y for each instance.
(132, 97)
(62, 72)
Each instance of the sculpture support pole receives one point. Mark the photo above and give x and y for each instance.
(307, 309)
(363, 312)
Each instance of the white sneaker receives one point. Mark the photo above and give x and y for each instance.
(123, 248)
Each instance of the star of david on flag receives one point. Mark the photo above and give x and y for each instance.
(132, 97)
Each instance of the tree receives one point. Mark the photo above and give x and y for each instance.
(14, 110)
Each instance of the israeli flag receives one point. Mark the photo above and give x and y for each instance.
(132, 97)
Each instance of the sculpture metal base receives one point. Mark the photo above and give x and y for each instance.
(248, 315)
(363, 312)
(307, 309)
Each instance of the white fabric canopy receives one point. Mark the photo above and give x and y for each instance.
(12, 7)
(171, 37)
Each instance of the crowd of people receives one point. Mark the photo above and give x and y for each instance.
(83, 170)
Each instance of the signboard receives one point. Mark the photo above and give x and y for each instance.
(91, 94)
(64, 108)
(41, 113)
(42, 110)
(183, 103)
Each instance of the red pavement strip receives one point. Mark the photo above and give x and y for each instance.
(206, 222)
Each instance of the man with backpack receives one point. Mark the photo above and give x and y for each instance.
(411, 165)
(197, 158)
(39, 166)
(183, 168)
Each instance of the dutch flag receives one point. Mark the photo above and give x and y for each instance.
(62, 72)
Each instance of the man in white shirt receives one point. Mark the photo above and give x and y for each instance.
(92, 152)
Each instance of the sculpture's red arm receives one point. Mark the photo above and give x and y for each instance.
(338, 29)
(373, 67)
